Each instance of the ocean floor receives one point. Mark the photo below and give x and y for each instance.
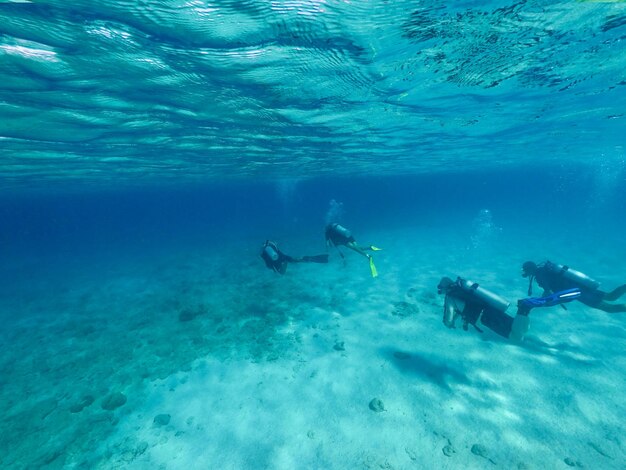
(197, 359)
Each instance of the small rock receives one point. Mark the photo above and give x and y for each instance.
(310, 434)
(480, 450)
(448, 450)
(412, 455)
(162, 420)
(113, 401)
(377, 405)
(569, 462)
(83, 403)
(339, 346)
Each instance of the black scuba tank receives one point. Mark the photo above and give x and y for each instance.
(491, 299)
(572, 275)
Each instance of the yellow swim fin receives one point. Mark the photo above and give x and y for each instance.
(375, 248)
(373, 268)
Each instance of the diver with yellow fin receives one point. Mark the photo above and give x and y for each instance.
(277, 261)
(338, 235)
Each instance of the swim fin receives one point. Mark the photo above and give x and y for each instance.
(524, 306)
(559, 298)
(373, 268)
(315, 259)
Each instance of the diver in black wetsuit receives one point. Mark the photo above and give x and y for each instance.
(277, 261)
(552, 277)
(338, 235)
(476, 305)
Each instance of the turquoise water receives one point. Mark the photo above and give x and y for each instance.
(148, 149)
(121, 92)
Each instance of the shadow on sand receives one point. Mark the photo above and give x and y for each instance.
(434, 371)
(562, 351)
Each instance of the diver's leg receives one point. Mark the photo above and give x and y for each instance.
(611, 308)
(353, 246)
(616, 293)
(315, 259)
(519, 327)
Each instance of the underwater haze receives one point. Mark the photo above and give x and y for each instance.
(149, 149)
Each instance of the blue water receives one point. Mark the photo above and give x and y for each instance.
(148, 149)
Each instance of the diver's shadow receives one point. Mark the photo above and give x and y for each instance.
(561, 351)
(436, 372)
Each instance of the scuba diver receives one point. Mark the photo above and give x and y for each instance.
(277, 261)
(476, 305)
(338, 235)
(552, 277)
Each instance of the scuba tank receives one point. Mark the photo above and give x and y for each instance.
(491, 299)
(341, 230)
(270, 251)
(572, 275)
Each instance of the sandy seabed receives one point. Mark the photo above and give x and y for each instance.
(198, 359)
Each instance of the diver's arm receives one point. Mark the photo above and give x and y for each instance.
(328, 243)
(450, 311)
(543, 282)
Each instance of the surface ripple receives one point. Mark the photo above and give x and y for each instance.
(103, 90)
